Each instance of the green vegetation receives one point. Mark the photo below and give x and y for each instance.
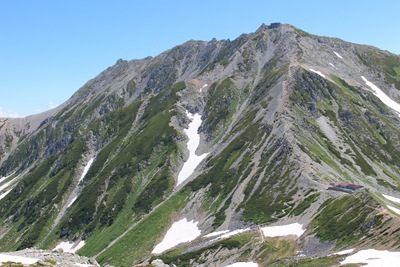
(154, 132)
(131, 87)
(188, 258)
(137, 151)
(346, 219)
(304, 204)
(8, 141)
(272, 199)
(271, 72)
(142, 236)
(363, 135)
(220, 215)
(221, 105)
(117, 166)
(262, 208)
(222, 175)
(51, 261)
(241, 242)
(388, 64)
(274, 249)
(224, 62)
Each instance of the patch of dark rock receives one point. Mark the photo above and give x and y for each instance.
(312, 247)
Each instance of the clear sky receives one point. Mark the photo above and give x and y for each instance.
(49, 49)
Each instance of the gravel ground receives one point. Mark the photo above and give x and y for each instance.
(62, 258)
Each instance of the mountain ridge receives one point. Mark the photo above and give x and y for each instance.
(284, 113)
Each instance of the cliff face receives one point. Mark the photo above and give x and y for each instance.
(283, 114)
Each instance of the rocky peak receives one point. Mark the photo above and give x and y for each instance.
(281, 115)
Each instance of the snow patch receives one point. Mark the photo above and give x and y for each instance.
(180, 232)
(337, 54)
(193, 143)
(382, 96)
(23, 260)
(283, 230)
(70, 247)
(373, 257)
(231, 233)
(333, 66)
(318, 72)
(72, 201)
(5, 194)
(243, 264)
(343, 252)
(394, 199)
(4, 178)
(4, 186)
(204, 86)
(86, 169)
(216, 233)
(396, 210)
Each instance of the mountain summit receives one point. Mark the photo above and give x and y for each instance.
(277, 147)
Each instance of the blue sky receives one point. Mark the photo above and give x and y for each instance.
(49, 49)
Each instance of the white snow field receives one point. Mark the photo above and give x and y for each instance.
(394, 209)
(283, 230)
(69, 247)
(318, 72)
(243, 264)
(343, 252)
(337, 54)
(86, 169)
(393, 199)
(23, 260)
(374, 258)
(193, 143)
(382, 96)
(180, 232)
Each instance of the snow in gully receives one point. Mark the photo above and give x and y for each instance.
(193, 143)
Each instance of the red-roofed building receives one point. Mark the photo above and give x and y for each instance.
(348, 188)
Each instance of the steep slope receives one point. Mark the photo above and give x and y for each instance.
(284, 113)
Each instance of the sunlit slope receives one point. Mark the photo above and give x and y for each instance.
(279, 114)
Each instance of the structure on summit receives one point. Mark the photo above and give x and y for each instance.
(274, 25)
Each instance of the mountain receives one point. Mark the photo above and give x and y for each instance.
(212, 144)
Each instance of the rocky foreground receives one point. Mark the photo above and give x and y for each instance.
(46, 258)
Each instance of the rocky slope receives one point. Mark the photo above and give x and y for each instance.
(284, 113)
(47, 258)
